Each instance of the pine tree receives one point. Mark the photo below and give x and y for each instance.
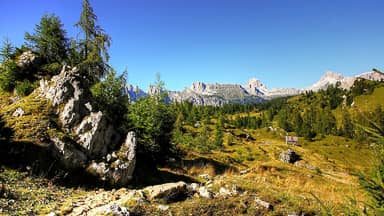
(49, 39)
(6, 50)
(94, 47)
(219, 132)
(347, 129)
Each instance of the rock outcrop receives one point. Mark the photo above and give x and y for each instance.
(93, 134)
(118, 167)
(84, 135)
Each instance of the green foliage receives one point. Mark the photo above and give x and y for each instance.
(25, 87)
(219, 132)
(6, 50)
(110, 98)
(363, 86)
(373, 183)
(153, 119)
(8, 75)
(247, 122)
(51, 68)
(93, 48)
(49, 40)
(347, 128)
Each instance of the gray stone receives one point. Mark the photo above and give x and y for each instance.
(18, 112)
(67, 94)
(193, 188)
(167, 193)
(206, 193)
(225, 192)
(205, 176)
(163, 207)
(263, 203)
(95, 135)
(68, 154)
(90, 134)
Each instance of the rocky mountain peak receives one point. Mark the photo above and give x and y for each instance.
(330, 78)
(372, 75)
(330, 75)
(198, 87)
(256, 87)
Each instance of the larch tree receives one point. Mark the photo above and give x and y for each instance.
(94, 47)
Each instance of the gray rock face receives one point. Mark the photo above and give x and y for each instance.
(119, 166)
(95, 135)
(92, 135)
(134, 93)
(70, 156)
(214, 94)
(289, 156)
(167, 192)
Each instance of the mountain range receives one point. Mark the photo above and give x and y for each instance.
(217, 94)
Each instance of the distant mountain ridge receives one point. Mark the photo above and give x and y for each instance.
(217, 94)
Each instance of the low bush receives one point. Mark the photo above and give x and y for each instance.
(25, 87)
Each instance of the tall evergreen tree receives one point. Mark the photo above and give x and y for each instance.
(6, 50)
(94, 47)
(347, 129)
(49, 39)
(219, 132)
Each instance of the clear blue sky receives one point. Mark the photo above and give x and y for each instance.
(284, 43)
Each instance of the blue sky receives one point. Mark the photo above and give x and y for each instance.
(284, 43)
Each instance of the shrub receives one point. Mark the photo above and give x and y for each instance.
(51, 69)
(25, 87)
(8, 75)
